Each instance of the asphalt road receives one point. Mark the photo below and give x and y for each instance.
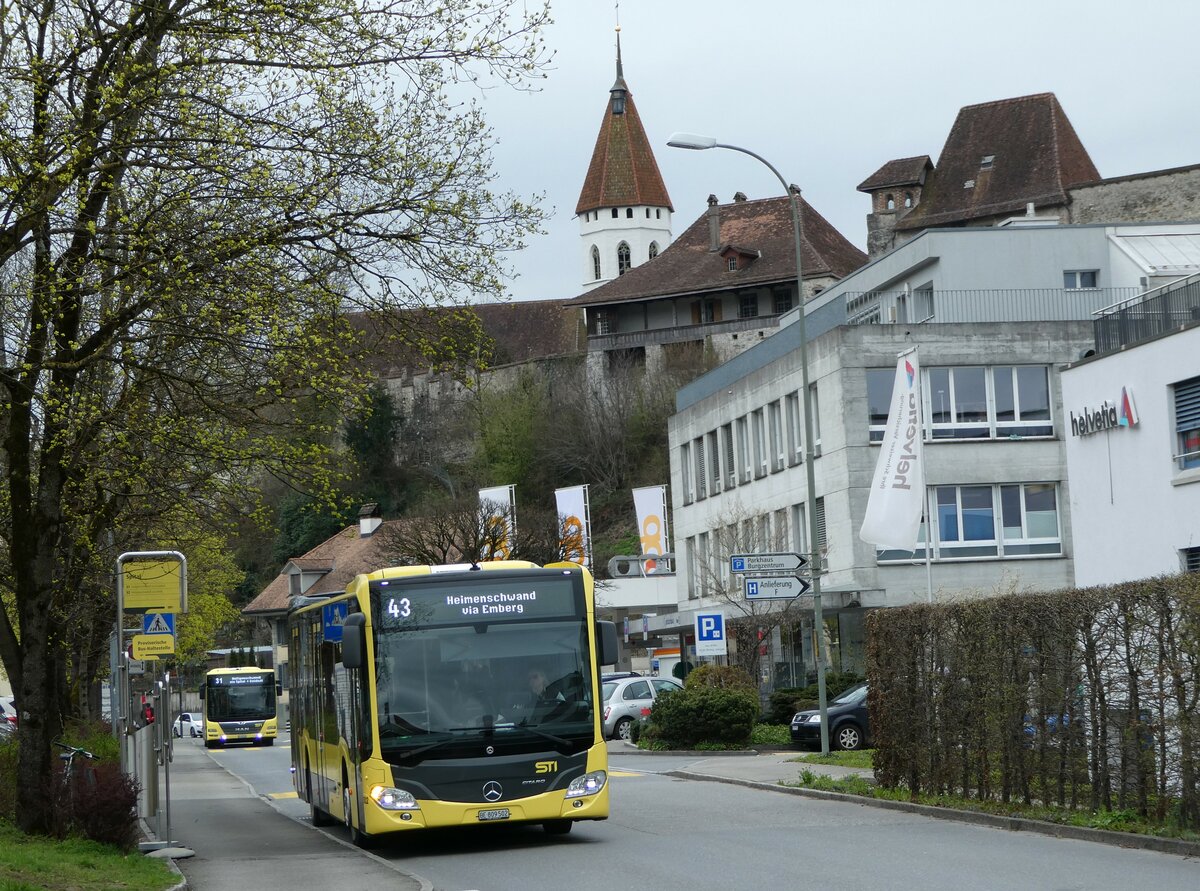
(670, 832)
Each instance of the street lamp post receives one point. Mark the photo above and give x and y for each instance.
(699, 143)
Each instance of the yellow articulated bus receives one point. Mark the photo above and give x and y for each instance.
(434, 696)
(240, 705)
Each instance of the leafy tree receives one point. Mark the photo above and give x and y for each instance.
(192, 195)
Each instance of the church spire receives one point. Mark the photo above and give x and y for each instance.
(624, 210)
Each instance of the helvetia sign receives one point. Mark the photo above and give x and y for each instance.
(1109, 415)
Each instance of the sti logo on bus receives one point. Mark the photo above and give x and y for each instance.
(545, 767)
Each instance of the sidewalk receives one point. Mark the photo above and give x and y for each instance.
(240, 841)
(769, 768)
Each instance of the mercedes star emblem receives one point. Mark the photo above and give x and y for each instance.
(492, 791)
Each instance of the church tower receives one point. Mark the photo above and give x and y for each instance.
(624, 210)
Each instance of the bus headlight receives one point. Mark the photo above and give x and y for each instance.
(588, 784)
(391, 799)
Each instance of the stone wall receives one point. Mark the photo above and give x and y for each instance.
(1163, 196)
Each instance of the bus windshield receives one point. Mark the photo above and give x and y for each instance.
(240, 697)
(451, 680)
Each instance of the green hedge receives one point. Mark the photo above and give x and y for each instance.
(717, 705)
(1086, 699)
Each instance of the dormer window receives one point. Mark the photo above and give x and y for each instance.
(969, 184)
(618, 102)
(985, 163)
(732, 264)
(908, 199)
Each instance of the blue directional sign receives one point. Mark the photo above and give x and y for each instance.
(333, 616)
(158, 623)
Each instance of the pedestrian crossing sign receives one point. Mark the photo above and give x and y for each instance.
(158, 623)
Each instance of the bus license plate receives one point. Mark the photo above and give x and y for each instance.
(499, 813)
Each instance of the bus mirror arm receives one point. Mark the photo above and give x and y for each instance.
(606, 642)
(354, 640)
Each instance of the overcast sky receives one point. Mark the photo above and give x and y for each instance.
(828, 92)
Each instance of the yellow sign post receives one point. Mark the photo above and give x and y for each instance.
(151, 646)
(154, 586)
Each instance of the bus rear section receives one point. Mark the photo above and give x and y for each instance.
(240, 706)
(422, 712)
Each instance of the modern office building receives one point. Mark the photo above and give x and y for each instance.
(994, 313)
(1132, 436)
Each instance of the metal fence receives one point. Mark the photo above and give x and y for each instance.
(1147, 315)
(980, 305)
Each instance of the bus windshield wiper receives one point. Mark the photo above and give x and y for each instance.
(415, 756)
(564, 744)
(398, 728)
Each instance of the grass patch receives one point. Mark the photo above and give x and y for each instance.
(778, 735)
(33, 863)
(860, 758)
(1116, 821)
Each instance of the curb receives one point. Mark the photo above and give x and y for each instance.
(1014, 824)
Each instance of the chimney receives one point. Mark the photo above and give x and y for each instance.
(739, 197)
(1029, 209)
(369, 519)
(714, 224)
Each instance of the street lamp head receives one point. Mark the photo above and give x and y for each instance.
(691, 141)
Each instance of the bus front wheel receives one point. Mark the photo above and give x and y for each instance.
(557, 827)
(360, 838)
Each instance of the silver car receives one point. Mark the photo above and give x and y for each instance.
(188, 724)
(629, 699)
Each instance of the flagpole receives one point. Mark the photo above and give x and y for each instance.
(928, 544)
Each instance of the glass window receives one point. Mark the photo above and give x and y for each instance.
(653, 249)
(685, 467)
(760, 442)
(1187, 422)
(733, 264)
(1077, 279)
(595, 262)
(775, 411)
(1030, 519)
(727, 456)
(748, 306)
(1022, 400)
(795, 420)
(714, 463)
(698, 451)
(623, 260)
(966, 523)
(743, 444)
(636, 690)
(782, 301)
(880, 383)
(958, 404)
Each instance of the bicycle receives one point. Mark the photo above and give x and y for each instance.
(67, 800)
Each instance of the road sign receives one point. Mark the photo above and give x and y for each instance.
(785, 562)
(710, 634)
(151, 646)
(158, 623)
(778, 587)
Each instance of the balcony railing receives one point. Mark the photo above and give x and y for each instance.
(983, 305)
(678, 334)
(1148, 315)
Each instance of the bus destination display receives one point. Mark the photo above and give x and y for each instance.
(406, 605)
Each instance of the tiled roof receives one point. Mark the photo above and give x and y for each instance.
(1036, 157)
(763, 226)
(623, 172)
(900, 172)
(346, 554)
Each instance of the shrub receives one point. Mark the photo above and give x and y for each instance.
(100, 805)
(725, 677)
(703, 714)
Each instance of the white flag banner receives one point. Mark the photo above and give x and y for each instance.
(897, 499)
(499, 504)
(650, 503)
(574, 524)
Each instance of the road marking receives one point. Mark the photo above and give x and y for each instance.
(278, 795)
(625, 773)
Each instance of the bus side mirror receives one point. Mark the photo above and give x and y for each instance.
(354, 640)
(278, 689)
(606, 643)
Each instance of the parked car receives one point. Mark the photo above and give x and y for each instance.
(849, 726)
(188, 724)
(9, 707)
(626, 698)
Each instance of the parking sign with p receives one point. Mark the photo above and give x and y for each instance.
(710, 634)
